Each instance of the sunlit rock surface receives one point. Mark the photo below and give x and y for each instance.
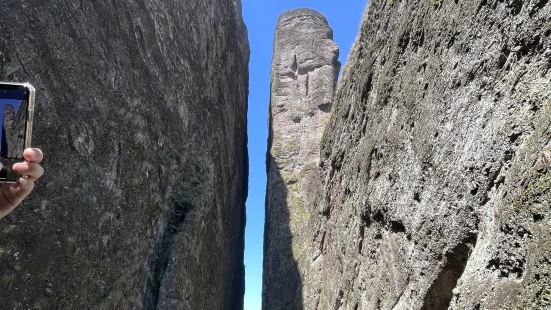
(435, 165)
(304, 72)
(141, 109)
(436, 161)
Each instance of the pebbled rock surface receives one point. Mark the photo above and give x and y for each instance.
(436, 161)
(141, 114)
(304, 72)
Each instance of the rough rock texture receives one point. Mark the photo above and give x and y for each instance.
(141, 115)
(13, 130)
(304, 72)
(436, 161)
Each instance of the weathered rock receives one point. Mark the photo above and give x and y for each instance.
(304, 72)
(436, 188)
(141, 109)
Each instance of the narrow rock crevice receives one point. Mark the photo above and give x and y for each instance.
(440, 293)
(162, 252)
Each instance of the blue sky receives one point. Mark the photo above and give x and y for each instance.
(261, 17)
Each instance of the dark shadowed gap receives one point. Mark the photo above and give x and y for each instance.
(440, 293)
(182, 204)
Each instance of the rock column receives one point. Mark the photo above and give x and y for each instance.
(305, 68)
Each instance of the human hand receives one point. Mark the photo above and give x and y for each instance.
(12, 194)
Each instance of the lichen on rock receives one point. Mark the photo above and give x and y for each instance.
(434, 185)
(304, 71)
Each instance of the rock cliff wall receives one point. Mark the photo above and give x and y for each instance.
(304, 73)
(141, 114)
(436, 163)
(436, 160)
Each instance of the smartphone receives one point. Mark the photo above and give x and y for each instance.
(17, 111)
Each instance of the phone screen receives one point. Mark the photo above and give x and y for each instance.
(13, 109)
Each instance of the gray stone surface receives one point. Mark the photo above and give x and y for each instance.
(13, 129)
(141, 113)
(304, 72)
(436, 171)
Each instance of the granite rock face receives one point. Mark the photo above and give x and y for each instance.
(435, 184)
(436, 161)
(304, 73)
(141, 113)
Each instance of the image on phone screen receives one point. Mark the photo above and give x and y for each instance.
(13, 110)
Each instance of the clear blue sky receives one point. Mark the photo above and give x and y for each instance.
(261, 17)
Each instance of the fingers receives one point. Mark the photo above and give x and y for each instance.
(25, 187)
(30, 169)
(33, 155)
(19, 192)
(11, 196)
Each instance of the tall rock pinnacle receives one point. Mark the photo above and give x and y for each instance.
(305, 68)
